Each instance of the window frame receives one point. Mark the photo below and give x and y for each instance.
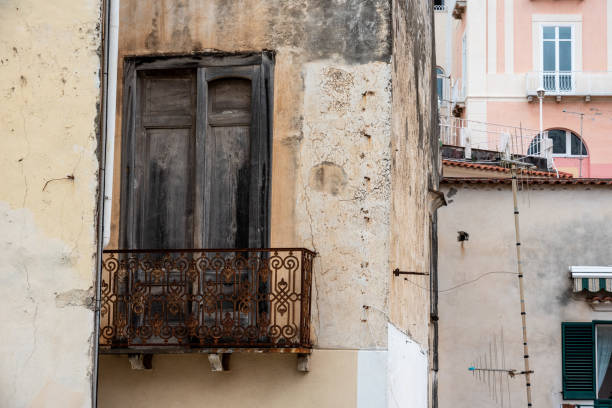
(557, 40)
(557, 73)
(199, 62)
(594, 324)
(439, 7)
(568, 145)
(440, 81)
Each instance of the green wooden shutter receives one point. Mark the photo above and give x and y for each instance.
(578, 361)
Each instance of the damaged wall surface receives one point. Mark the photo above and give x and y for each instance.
(414, 164)
(331, 135)
(353, 158)
(49, 80)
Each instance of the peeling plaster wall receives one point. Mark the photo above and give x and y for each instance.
(49, 86)
(414, 165)
(347, 111)
(479, 295)
(354, 155)
(331, 135)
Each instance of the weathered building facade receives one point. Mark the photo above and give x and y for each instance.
(266, 167)
(50, 81)
(352, 159)
(563, 233)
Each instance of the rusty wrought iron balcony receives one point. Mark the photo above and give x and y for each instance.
(204, 299)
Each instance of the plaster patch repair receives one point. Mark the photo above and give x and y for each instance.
(328, 177)
(343, 198)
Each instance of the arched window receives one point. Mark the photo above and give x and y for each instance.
(565, 143)
(440, 83)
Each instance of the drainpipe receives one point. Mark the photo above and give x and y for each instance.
(110, 19)
(111, 100)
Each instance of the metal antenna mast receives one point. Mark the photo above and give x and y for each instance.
(521, 285)
(514, 165)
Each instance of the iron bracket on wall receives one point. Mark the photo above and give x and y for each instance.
(397, 272)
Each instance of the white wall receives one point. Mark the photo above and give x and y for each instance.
(408, 374)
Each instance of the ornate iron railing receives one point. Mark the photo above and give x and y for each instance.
(206, 298)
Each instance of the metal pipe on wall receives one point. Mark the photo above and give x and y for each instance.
(110, 37)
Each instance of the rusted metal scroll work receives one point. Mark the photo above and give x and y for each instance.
(206, 298)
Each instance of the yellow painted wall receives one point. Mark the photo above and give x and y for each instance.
(49, 91)
(254, 381)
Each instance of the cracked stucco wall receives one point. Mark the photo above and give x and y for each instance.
(344, 198)
(414, 165)
(49, 87)
(350, 176)
(331, 135)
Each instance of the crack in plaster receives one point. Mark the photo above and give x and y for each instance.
(34, 325)
(314, 247)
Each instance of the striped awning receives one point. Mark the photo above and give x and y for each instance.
(592, 278)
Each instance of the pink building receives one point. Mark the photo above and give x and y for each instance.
(493, 56)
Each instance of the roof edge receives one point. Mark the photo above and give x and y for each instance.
(528, 180)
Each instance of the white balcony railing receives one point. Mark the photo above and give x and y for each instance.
(457, 91)
(508, 140)
(577, 83)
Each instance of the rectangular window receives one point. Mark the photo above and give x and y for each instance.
(587, 372)
(440, 84)
(439, 5)
(557, 59)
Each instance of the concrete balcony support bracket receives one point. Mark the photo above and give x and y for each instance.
(140, 361)
(219, 361)
(303, 362)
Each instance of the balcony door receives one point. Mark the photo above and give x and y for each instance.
(195, 159)
(557, 58)
(195, 174)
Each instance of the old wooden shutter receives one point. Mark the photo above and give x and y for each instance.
(578, 344)
(159, 158)
(233, 157)
(196, 157)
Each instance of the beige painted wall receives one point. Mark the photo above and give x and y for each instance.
(479, 299)
(49, 81)
(254, 380)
